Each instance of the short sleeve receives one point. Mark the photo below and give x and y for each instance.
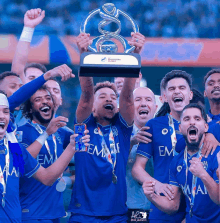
(172, 173)
(31, 165)
(215, 129)
(146, 149)
(24, 137)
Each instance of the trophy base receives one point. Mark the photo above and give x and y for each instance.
(109, 65)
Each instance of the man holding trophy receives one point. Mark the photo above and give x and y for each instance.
(99, 192)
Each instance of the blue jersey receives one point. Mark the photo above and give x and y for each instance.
(136, 198)
(37, 200)
(94, 193)
(12, 210)
(204, 209)
(161, 150)
(214, 118)
(215, 130)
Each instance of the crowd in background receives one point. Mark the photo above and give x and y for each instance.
(156, 18)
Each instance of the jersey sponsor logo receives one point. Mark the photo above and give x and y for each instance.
(25, 210)
(164, 131)
(14, 172)
(199, 190)
(164, 151)
(46, 159)
(93, 150)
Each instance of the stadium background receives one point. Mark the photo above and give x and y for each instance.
(180, 34)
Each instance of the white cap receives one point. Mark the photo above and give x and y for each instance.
(3, 100)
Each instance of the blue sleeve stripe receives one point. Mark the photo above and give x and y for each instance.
(142, 153)
(32, 172)
(124, 122)
(174, 183)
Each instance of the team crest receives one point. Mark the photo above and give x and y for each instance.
(179, 168)
(205, 165)
(96, 131)
(164, 131)
(19, 135)
(115, 131)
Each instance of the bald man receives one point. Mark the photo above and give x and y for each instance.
(145, 108)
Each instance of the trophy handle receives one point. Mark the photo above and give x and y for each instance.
(92, 47)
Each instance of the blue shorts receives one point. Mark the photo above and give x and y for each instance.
(57, 220)
(163, 221)
(80, 218)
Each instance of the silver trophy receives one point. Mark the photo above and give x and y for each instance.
(104, 51)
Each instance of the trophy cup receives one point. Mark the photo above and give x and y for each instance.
(103, 59)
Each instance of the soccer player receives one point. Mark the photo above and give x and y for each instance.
(15, 161)
(39, 110)
(191, 174)
(165, 135)
(99, 191)
(145, 108)
(11, 84)
(212, 92)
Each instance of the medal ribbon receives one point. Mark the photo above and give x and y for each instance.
(3, 181)
(110, 154)
(39, 129)
(173, 135)
(194, 179)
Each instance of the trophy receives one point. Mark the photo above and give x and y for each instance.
(103, 59)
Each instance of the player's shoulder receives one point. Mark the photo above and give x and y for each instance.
(158, 121)
(26, 127)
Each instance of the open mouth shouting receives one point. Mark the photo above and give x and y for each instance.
(46, 110)
(143, 113)
(109, 107)
(2, 125)
(192, 133)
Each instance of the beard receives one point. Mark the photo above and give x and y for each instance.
(193, 146)
(216, 100)
(41, 119)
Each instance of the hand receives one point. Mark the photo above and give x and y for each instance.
(55, 124)
(85, 139)
(83, 42)
(196, 167)
(164, 189)
(138, 41)
(149, 188)
(33, 17)
(210, 144)
(62, 71)
(141, 136)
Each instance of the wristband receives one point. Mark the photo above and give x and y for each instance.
(42, 138)
(27, 34)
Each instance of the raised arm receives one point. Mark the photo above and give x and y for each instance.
(126, 102)
(27, 90)
(32, 18)
(53, 126)
(84, 108)
(161, 202)
(50, 174)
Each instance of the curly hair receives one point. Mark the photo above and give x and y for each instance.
(27, 106)
(104, 85)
